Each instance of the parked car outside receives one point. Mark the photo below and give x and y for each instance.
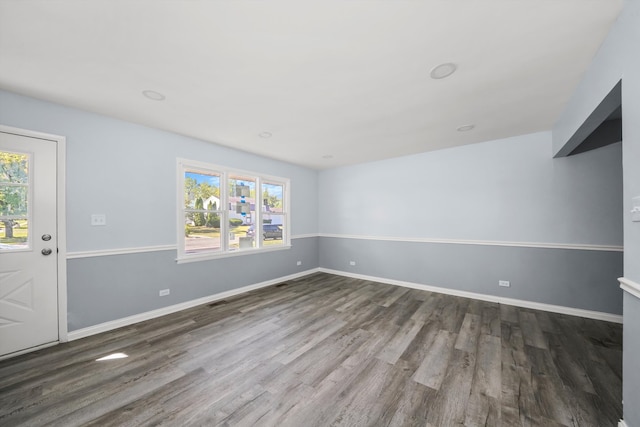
(269, 231)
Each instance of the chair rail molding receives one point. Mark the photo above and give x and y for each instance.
(629, 286)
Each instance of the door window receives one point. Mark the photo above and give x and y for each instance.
(14, 201)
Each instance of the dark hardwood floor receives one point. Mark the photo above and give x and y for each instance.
(326, 350)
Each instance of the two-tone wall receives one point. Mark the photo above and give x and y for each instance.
(128, 172)
(459, 219)
(465, 218)
(617, 60)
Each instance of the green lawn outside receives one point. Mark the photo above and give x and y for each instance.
(20, 233)
(214, 232)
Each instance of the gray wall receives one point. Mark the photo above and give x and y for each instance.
(569, 278)
(128, 172)
(508, 190)
(112, 287)
(618, 59)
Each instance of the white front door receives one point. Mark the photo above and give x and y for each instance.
(28, 243)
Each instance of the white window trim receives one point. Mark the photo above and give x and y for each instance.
(185, 164)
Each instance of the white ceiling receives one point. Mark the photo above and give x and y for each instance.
(346, 78)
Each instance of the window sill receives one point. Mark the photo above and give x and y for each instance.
(213, 256)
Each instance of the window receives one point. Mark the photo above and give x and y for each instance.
(14, 201)
(225, 212)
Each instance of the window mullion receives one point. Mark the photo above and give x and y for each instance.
(257, 226)
(224, 218)
(181, 211)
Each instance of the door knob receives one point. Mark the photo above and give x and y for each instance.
(46, 237)
(46, 251)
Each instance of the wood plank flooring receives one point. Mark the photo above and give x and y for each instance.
(328, 351)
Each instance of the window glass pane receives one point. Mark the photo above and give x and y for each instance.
(200, 238)
(14, 168)
(272, 197)
(14, 234)
(14, 200)
(273, 229)
(242, 200)
(241, 236)
(202, 216)
(201, 190)
(242, 211)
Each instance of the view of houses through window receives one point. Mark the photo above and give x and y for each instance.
(225, 211)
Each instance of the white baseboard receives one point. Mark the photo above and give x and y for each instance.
(598, 315)
(130, 320)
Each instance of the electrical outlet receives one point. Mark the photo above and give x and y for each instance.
(299, 263)
(164, 292)
(98, 219)
(504, 283)
(352, 263)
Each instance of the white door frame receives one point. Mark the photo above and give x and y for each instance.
(61, 148)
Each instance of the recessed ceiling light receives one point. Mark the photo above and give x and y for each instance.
(327, 156)
(466, 128)
(152, 94)
(443, 70)
(265, 134)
